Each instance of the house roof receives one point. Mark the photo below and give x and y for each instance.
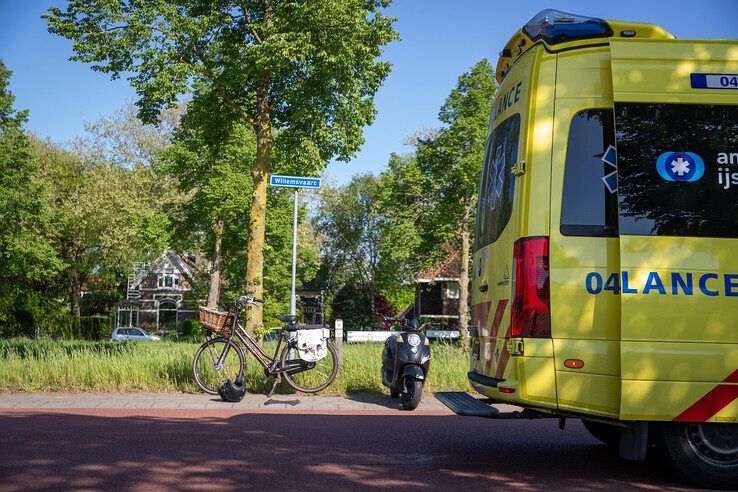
(448, 268)
(173, 258)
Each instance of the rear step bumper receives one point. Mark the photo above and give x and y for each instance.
(464, 404)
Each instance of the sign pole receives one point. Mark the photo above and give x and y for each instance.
(293, 297)
(294, 182)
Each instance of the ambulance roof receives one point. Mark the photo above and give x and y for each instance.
(558, 30)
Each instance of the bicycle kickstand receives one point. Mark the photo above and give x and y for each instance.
(277, 379)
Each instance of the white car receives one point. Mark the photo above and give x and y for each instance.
(132, 334)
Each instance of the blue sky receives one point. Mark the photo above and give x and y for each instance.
(440, 40)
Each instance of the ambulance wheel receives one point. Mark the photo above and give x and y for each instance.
(705, 454)
(605, 433)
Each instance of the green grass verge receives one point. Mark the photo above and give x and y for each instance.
(73, 366)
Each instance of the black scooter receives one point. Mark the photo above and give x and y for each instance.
(405, 363)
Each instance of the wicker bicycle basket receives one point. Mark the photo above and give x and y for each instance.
(217, 321)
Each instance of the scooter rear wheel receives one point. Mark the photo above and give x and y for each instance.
(413, 392)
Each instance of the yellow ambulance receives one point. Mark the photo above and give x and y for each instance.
(605, 269)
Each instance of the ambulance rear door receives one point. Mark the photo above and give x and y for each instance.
(676, 123)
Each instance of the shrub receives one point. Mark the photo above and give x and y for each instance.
(192, 330)
(354, 304)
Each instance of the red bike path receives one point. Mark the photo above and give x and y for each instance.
(163, 449)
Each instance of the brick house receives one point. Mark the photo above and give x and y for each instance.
(160, 295)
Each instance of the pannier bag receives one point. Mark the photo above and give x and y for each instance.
(311, 344)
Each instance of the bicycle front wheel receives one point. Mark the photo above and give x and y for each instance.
(216, 361)
(309, 377)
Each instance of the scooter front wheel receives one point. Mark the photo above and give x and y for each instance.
(411, 396)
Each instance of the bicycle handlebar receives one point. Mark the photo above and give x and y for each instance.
(243, 300)
(250, 299)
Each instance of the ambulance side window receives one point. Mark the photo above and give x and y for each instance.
(589, 206)
(497, 184)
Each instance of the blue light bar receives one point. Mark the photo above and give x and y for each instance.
(554, 27)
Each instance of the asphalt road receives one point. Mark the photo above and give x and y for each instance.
(165, 449)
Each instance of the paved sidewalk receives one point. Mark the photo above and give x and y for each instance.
(252, 402)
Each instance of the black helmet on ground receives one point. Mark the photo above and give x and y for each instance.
(232, 391)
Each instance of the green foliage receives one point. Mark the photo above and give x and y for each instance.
(404, 200)
(45, 348)
(210, 160)
(99, 303)
(318, 60)
(354, 304)
(348, 219)
(452, 158)
(378, 233)
(301, 75)
(192, 330)
(107, 217)
(278, 254)
(26, 255)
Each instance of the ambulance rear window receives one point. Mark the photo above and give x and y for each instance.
(590, 206)
(677, 169)
(497, 184)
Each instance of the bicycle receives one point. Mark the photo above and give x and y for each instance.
(221, 357)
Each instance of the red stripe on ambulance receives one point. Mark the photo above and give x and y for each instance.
(715, 400)
(499, 312)
(481, 311)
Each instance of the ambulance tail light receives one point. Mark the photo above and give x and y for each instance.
(531, 307)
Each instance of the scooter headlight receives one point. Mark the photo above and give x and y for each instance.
(414, 340)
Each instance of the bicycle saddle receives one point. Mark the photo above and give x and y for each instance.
(287, 318)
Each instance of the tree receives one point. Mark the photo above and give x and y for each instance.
(210, 162)
(124, 140)
(348, 219)
(404, 197)
(108, 216)
(302, 75)
(26, 254)
(351, 222)
(453, 159)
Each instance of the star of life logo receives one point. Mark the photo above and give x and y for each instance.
(680, 166)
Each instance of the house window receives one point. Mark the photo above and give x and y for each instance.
(168, 280)
(451, 290)
(127, 316)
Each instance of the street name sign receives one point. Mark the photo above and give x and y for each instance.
(294, 181)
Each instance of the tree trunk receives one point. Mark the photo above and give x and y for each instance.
(464, 277)
(75, 298)
(257, 214)
(214, 293)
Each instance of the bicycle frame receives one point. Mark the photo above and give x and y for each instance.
(269, 362)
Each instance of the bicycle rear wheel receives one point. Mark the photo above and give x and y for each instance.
(310, 377)
(209, 375)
